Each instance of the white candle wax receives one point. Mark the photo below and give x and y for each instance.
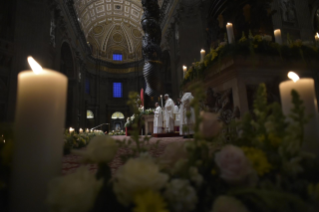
(202, 55)
(306, 91)
(38, 149)
(184, 71)
(278, 37)
(230, 33)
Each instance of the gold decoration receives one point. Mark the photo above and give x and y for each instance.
(97, 29)
(117, 37)
(137, 33)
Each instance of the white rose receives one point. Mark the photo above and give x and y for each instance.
(210, 125)
(180, 195)
(233, 164)
(137, 175)
(101, 149)
(74, 192)
(228, 204)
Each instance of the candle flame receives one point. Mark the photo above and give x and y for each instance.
(4, 141)
(293, 76)
(184, 68)
(317, 35)
(229, 23)
(202, 51)
(37, 69)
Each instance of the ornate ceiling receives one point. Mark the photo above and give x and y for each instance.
(112, 26)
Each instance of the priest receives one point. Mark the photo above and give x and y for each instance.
(187, 115)
(169, 114)
(158, 119)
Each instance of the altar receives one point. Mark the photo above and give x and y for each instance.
(149, 124)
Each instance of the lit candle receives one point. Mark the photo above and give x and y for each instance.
(230, 33)
(38, 149)
(71, 130)
(184, 71)
(317, 38)
(306, 90)
(80, 130)
(202, 55)
(278, 37)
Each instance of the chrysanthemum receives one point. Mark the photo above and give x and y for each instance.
(258, 160)
(149, 201)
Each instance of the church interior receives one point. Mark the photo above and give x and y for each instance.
(159, 105)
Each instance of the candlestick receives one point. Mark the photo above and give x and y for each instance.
(202, 55)
(306, 90)
(230, 33)
(317, 39)
(184, 71)
(38, 149)
(278, 37)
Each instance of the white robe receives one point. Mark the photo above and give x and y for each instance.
(184, 121)
(176, 115)
(169, 115)
(158, 120)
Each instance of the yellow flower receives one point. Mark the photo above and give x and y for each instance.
(258, 160)
(149, 201)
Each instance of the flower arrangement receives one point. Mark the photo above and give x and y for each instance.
(256, 165)
(258, 44)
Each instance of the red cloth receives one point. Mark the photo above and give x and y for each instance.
(142, 96)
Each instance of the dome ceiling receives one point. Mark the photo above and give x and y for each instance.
(112, 27)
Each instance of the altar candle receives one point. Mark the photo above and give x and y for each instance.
(317, 38)
(184, 71)
(80, 130)
(230, 33)
(202, 55)
(278, 37)
(38, 147)
(71, 130)
(306, 90)
(87, 130)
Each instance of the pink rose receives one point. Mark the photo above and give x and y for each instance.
(233, 164)
(210, 126)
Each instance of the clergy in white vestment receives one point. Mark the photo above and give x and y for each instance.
(176, 116)
(158, 119)
(185, 121)
(169, 114)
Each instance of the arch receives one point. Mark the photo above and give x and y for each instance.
(117, 115)
(67, 63)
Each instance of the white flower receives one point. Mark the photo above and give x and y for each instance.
(74, 192)
(233, 164)
(228, 204)
(195, 176)
(267, 37)
(137, 175)
(210, 126)
(180, 195)
(101, 149)
(173, 153)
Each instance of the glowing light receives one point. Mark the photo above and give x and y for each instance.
(71, 130)
(184, 68)
(293, 76)
(37, 69)
(229, 24)
(4, 141)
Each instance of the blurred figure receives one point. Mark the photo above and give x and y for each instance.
(158, 119)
